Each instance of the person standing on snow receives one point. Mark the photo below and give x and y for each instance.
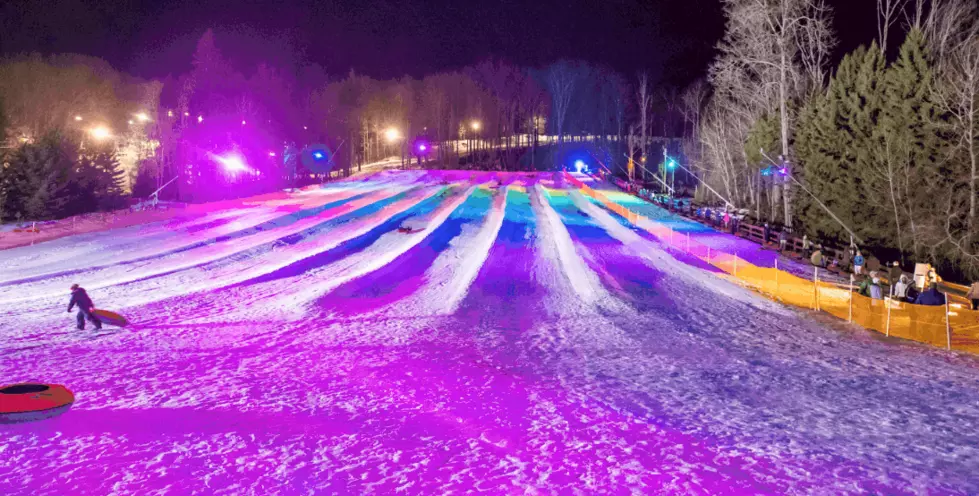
(875, 290)
(912, 292)
(847, 259)
(894, 274)
(931, 297)
(858, 263)
(85, 307)
(900, 289)
(766, 233)
(864, 288)
(817, 258)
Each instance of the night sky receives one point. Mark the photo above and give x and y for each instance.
(671, 39)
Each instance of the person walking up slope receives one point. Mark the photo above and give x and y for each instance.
(85, 307)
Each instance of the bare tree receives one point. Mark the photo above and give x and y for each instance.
(562, 77)
(771, 52)
(886, 17)
(952, 31)
(643, 99)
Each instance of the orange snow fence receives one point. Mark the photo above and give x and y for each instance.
(951, 326)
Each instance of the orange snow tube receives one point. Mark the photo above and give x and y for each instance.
(28, 402)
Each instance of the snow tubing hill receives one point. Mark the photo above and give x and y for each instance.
(28, 402)
(111, 318)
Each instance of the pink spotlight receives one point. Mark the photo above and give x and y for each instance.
(422, 147)
(232, 163)
(271, 154)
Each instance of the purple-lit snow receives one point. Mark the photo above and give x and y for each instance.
(517, 339)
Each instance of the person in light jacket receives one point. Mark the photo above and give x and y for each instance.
(900, 289)
(875, 290)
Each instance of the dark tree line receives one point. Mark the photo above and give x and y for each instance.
(222, 130)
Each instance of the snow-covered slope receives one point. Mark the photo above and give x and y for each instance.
(518, 339)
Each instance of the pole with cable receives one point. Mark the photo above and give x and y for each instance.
(783, 170)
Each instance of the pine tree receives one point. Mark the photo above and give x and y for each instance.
(98, 184)
(832, 143)
(909, 143)
(37, 180)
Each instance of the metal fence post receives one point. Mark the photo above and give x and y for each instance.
(735, 264)
(815, 288)
(887, 332)
(948, 327)
(688, 242)
(850, 315)
(776, 275)
(708, 255)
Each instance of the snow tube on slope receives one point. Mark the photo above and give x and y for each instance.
(29, 401)
(111, 318)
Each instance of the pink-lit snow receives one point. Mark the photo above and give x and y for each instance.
(517, 339)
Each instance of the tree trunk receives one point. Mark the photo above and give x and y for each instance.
(784, 118)
(972, 161)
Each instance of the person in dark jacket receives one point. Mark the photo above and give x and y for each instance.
(912, 294)
(931, 297)
(894, 274)
(766, 233)
(85, 307)
(846, 260)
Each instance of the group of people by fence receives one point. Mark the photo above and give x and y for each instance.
(868, 276)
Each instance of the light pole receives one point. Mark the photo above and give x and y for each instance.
(475, 139)
(784, 171)
(393, 135)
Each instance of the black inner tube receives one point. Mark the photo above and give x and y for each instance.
(24, 389)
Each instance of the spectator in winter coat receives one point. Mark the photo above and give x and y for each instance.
(931, 297)
(864, 288)
(900, 289)
(783, 239)
(846, 260)
(766, 233)
(912, 295)
(858, 263)
(875, 290)
(817, 258)
(805, 245)
(894, 273)
(85, 307)
(973, 295)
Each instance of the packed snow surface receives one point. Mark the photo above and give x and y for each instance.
(450, 333)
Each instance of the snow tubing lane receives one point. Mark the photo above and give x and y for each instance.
(28, 402)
